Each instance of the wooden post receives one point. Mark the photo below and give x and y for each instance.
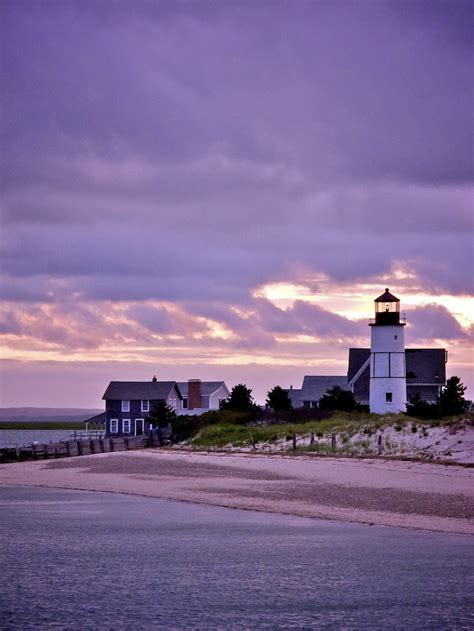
(91, 446)
(294, 441)
(79, 447)
(33, 451)
(251, 439)
(101, 445)
(45, 447)
(379, 445)
(311, 440)
(68, 449)
(125, 440)
(111, 444)
(333, 442)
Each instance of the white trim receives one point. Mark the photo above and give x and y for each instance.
(126, 405)
(145, 405)
(358, 374)
(114, 425)
(135, 426)
(128, 422)
(416, 384)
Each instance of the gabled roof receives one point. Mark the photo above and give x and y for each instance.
(207, 387)
(387, 297)
(98, 418)
(357, 358)
(423, 365)
(315, 387)
(294, 394)
(140, 390)
(426, 365)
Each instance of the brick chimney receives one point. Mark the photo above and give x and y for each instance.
(194, 394)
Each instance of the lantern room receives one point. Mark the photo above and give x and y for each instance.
(387, 309)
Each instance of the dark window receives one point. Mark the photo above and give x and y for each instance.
(185, 404)
(388, 397)
(396, 337)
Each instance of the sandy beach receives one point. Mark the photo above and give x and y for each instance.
(392, 493)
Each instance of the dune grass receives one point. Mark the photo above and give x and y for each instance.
(345, 425)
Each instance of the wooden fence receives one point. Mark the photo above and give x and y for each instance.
(73, 448)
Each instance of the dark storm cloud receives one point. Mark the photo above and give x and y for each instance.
(189, 151)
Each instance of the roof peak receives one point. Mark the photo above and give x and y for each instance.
(387, 297)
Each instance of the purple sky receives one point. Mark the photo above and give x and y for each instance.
(220, 189)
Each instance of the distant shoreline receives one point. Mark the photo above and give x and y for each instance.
(25, 417)
(383, 492)
(41, 425)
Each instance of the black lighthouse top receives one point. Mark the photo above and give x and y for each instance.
(387, 309)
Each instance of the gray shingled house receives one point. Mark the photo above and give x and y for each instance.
(313, 389)
(128, 404)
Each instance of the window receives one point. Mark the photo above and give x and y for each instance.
(184, 404)
(388, 397)
(396, 337)
(174, 404)
(145, 405)
(114, 425)
(125, 406)
(126, 426)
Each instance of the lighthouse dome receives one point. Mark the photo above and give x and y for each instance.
(387, 297)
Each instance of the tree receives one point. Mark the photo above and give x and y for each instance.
(161, 415)
(240, 400)
(278, 399)
(338, 399)
(451, 400)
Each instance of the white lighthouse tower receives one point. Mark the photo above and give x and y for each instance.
(388, 384)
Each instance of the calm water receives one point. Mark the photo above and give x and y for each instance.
(19, 437)
(78, 560)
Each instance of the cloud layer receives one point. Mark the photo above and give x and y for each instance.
(162, 161)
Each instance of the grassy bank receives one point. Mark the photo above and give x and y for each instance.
(42, 425)
(345, 426)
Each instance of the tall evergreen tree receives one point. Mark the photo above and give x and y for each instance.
(451, 400)
(240, 400)
(278, 399)
(161, 415)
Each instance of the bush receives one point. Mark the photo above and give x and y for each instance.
(422, 409)
(186, 426)
(338, 399)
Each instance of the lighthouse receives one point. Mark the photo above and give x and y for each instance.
(388, 385)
